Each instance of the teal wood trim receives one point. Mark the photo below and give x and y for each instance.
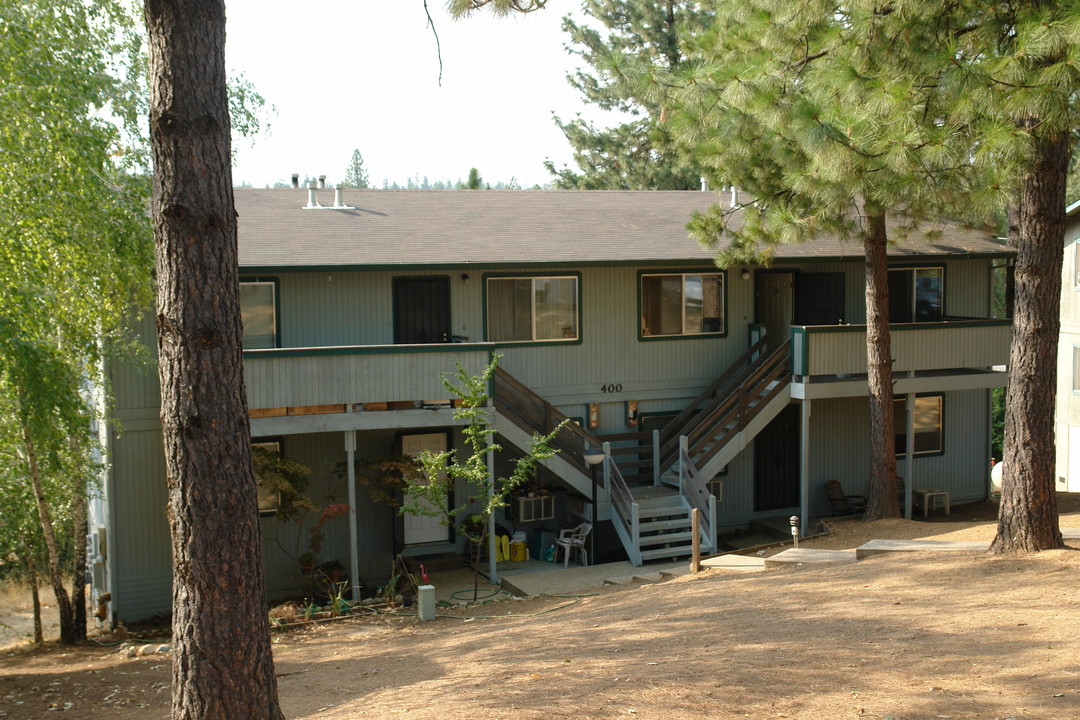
(459, 348)
(277, 301)
(1005, 253)
(800, 363)
(704, 270)
(522, 343)
(902, 327)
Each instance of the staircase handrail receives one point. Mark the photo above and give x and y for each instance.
(626, 515)
(720, 407)
(776, 366)
(696, 491)
(530, 412)
(674, 427)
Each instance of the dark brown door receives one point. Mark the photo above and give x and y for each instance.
(421, 310)
(776, 459)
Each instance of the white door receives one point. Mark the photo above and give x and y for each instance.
(420, 528)
(1073, 482)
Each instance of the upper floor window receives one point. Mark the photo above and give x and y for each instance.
(916, 294)
(532, 309)
(682, 304)
(258, 311)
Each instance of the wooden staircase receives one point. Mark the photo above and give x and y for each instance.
(653, 520)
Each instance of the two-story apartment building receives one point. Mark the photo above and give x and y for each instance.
(605, 311)
(1067, 407)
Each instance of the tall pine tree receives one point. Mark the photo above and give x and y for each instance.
(355, 174)
(637, 154)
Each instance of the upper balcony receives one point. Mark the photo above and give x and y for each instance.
(830, 360)
(353, 381)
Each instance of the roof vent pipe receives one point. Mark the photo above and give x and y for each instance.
(338, 200)
(295, 180)
(322, 181)
(312, 201)
(704, 185)
(734, 196)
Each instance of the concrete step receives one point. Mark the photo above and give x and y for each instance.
(877, 547)
(810, 556)
(735, 563)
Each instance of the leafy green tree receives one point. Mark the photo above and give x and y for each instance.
(355, 174)
(75, 255)
(638, 154)
(440, 471)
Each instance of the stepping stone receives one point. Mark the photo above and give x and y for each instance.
(737, 563)
(810, 556)
(877, 547)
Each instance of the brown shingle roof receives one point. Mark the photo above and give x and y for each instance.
(502, 227)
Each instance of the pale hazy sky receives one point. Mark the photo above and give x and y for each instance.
(365, 74)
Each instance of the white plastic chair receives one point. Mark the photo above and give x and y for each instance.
(570, 539)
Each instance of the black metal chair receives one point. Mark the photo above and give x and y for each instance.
(844, 504)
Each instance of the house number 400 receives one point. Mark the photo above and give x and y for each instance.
(612, 388)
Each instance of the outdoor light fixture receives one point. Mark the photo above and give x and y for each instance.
(593, 456)
(745, 274)
(464, 277)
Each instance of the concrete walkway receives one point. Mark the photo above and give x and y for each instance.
(533, 578)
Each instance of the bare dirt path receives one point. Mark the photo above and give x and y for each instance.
(904, 636)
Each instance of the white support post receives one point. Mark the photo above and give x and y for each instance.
(909, 454)
(607, 468)
(493, 569)
(354, 538)
(804, 467)
(656, 457)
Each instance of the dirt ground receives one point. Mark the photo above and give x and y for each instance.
(901, 636)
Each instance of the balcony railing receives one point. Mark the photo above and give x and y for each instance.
(327, 376)
(949, 345)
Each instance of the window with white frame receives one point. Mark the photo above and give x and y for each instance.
(926, 422)
(674, 304)
(258, 312)
(532, 309)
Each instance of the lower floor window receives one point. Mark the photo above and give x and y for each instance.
(927, 418)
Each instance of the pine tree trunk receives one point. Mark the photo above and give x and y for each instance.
(222, 662)
(1027, 518)
(881, 500)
